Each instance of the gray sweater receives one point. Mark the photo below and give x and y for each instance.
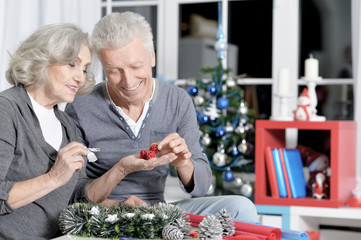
(170, 110)
(24, 154)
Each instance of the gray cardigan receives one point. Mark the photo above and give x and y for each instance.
(24, 154)
(101, 125)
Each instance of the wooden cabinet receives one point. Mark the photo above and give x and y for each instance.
(341, 137)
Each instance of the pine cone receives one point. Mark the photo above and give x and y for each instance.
(171, 232)
(227, 222)
(183, 225)
(210, 228)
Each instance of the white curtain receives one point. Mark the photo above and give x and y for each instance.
(20, 18)
(356, 66)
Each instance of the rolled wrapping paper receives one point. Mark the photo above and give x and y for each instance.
(293, 235)
(244, 230)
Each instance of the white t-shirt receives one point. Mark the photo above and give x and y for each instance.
(134, 126)
(50, 125)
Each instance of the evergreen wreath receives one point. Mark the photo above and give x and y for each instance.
(94, 220)
(164, 220)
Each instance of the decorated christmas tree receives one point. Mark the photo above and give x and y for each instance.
(226, 123)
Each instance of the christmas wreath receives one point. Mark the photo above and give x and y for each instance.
(165, 221)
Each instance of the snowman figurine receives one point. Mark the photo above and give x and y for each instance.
(304, 111)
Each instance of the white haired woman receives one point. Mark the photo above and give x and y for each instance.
(41, 156)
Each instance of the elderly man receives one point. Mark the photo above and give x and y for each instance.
(132, 110)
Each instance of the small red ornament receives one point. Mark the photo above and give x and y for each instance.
(193, 234)
(143, 154)
(154, 148)
(150, 154)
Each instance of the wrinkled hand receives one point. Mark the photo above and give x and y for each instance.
(68, 161)
(133, 163)
(173, 143)
(134, 201)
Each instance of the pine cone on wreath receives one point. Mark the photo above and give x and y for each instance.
(227, 222)
(171, 232)
(183, 225)
(210, 228)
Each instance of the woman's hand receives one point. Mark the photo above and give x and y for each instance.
(69, 160)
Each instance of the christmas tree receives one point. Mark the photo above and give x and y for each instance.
(226, 123)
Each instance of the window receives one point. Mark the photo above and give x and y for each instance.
(325, 28)
(266, 35)
(263, 36)
(249, 52)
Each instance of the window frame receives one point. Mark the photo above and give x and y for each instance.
(284, 47)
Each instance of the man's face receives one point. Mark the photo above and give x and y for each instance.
(129, 73)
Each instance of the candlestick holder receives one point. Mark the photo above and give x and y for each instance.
(311, 88)
(284, 111)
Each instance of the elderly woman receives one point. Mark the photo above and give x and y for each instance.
(41, 157)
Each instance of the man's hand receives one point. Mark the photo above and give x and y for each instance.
(134, 201)
(173, 143)
(131, 201)
(133, 163)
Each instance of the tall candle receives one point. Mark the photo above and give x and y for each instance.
(311, 67)
(283, 84)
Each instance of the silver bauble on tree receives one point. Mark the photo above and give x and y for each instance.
(247, 189)
(230, 83)
(237, 181)
(206, 140)
(243, 109)
(220, 157)
(243, 146)
(240, 129)
(198, 100)
(228, 127)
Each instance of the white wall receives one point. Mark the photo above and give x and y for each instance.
(19, 18)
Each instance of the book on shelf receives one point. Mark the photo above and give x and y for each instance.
(294, 168)
(285, 173)
(279, 173)
(271, 172)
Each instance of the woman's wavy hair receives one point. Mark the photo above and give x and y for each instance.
(51, 44)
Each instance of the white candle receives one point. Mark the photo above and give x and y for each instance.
(311, 67)
(283, 85)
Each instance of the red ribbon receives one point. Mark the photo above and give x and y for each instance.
(244, 231)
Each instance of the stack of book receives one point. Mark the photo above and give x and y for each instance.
(285, 173)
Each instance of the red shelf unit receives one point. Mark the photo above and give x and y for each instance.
(342, 160)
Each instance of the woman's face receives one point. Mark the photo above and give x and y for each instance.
(65, 80)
